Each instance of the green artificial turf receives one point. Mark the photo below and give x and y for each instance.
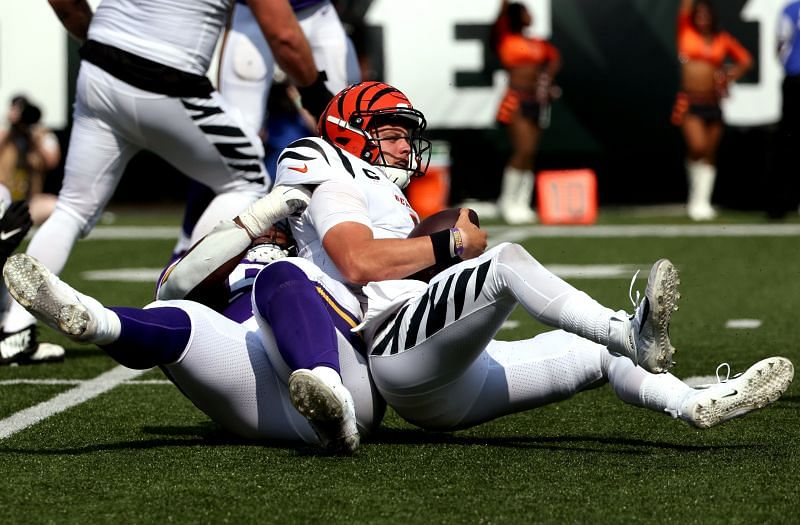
(141, 453)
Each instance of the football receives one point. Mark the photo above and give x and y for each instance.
(439, 221)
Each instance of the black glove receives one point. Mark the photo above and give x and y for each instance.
(14, 225)
(315, 97)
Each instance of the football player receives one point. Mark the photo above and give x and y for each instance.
(247, 68)
(221, 359)
(142, 85)
(432, 356)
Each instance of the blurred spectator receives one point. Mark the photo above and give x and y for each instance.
(785, 195)
(532, 64)
(28, 151)
(705, 78)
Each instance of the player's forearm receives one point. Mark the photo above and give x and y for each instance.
(286, 39)
(75, 16)
(383, 259)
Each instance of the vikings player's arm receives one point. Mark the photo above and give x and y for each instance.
(291, 50)
(216, 254)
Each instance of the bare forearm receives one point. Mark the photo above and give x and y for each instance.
(75, 16)
(285, 38)
(382, 259)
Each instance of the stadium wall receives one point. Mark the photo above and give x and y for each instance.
(619, 82)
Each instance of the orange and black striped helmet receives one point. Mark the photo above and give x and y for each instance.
(354, 113)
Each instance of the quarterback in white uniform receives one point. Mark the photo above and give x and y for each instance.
(432, 355)
(141, 85)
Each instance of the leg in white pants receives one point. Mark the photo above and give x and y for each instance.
(515, 376)
(113, 121)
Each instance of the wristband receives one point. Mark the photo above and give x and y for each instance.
(315, 97)
(458, 243)
(441, 246)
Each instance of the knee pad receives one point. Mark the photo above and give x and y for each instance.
(248, 62)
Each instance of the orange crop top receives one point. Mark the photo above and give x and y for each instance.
(693, 46)
(517, 50)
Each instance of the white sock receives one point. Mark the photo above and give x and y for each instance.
(549, 298)
(587, 318)
(509, 189)
(701, 183)
(107, 327)
(636, 386)
(525, 190)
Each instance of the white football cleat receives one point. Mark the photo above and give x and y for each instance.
(644, 336)
(320, 397)
(51, 300)
(760, 385)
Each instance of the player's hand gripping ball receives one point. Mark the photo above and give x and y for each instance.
(443, 220)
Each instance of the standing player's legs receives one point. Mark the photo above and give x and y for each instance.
(246, 68)
(435, 338)
(205, 140)
(97, 156)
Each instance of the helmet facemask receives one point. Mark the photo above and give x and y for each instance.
(352, 118)
(414, 123)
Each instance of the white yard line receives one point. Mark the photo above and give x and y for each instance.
(498, 234)
(75, 396)
(515, 233)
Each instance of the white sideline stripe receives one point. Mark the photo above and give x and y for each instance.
(129, 275)
(11, 382)
(509, 324)
(565, 271)
(516, 233)
(103, 233)
(743, 324)
(498, 234)
(61, 402)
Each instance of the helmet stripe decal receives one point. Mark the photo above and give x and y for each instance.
(380, 94)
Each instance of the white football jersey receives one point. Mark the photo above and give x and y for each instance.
(348, 190)
(178, 33)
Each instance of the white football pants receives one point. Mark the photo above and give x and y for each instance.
(225, 371)
(247, 65)
(436, 364)
(114, 120)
